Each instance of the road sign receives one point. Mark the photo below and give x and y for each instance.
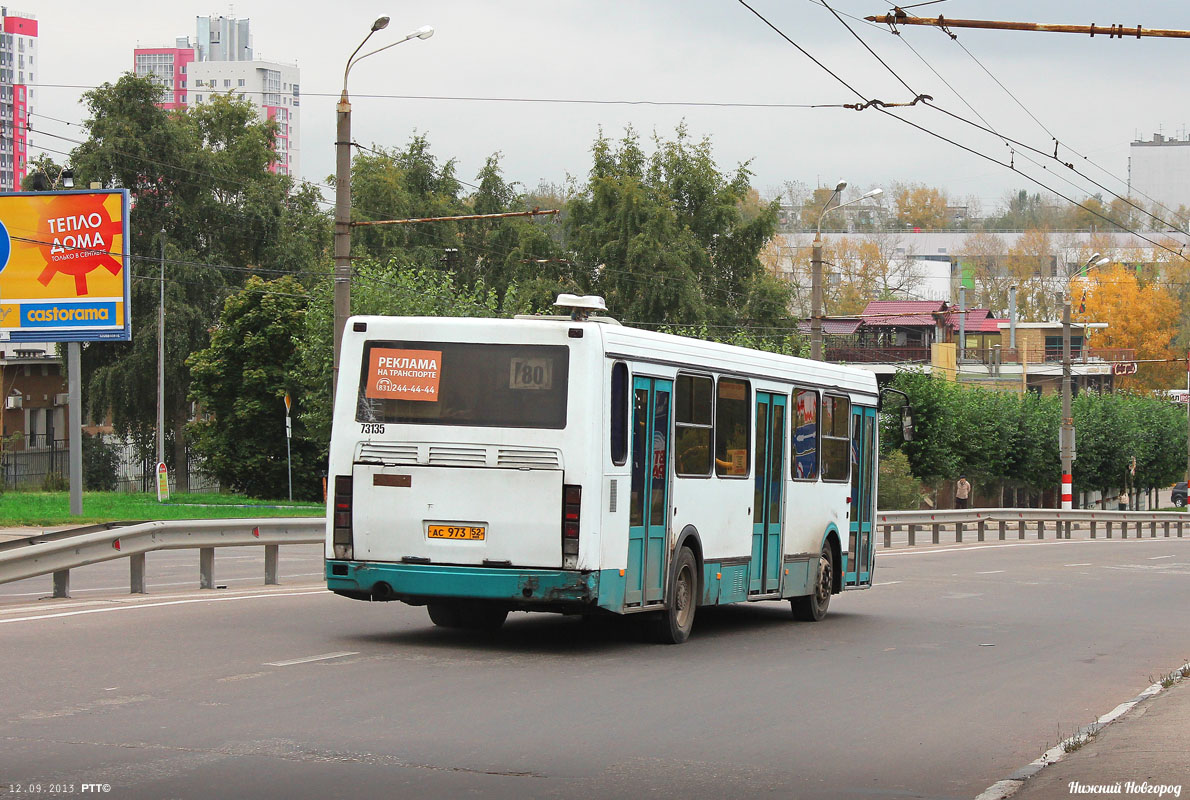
(162, 482)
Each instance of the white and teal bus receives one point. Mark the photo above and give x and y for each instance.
(574, 465)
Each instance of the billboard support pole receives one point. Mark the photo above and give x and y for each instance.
(74, 380)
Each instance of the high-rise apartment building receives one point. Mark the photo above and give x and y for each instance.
(1159, 170)
(18, 67)
(167, 67)
(220, 61)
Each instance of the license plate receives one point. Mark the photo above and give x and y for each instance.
(471, 533)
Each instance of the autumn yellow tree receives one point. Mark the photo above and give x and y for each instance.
(1032, 266)
(984, 256)
(921, 206)
(1139, 317)
(814, 205)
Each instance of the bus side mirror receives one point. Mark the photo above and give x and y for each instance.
(907, 429)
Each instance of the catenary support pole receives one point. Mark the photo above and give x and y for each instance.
(816, 299)
(1066, 432)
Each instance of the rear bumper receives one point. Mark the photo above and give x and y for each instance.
(420, 583)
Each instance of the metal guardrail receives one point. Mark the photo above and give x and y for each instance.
(1062, 522)
(57, 555)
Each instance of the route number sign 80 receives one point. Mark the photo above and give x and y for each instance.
(530, 373)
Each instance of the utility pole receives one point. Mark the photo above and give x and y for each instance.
(342, 301)
(816, 298)
(1066, 432)
(161, 363)
(899, 17)
(1066, 436)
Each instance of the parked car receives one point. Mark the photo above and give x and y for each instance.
(1179, 494)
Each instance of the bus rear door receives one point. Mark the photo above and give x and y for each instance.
(648, 516)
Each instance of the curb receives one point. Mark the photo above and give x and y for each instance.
(1000, 790)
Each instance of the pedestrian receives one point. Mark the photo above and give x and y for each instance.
(962, 492)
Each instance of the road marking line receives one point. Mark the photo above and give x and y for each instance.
(1154, 558)
(74, 591)
(990, 572)
(158, 605)
(308, 659)
(1077, 565)
(130, 599)
(888, 583)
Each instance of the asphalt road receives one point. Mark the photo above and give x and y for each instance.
(962, 665)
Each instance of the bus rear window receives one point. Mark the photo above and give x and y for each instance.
(462, 383)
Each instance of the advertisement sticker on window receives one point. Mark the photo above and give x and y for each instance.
(403, 374)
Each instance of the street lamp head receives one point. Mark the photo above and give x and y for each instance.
(380, 24)
(873, 193)
(424, 32)
(1101, 262)
(840, 186)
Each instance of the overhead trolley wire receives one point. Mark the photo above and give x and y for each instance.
(879, 107)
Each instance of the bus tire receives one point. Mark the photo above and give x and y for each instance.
(674, 624)
(468, 616)
(812, 607)
(444, 615)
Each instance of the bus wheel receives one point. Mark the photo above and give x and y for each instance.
(676, 622)
(812, 607)
(469, 616)
(444, 615)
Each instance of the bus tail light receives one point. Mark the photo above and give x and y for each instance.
(341, 516)
(572, 497)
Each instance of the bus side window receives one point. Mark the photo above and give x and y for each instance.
(805, 435)
(619, 414)
(836, 438)
(693, 397)
(733, 419)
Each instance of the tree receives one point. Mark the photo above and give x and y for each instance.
(985, 260)
(203, 177)
(1139, 318)
(391, 289)
(931, 453)
(412, 183)
(403, 184)
(920, 206)
(1031, 265)
(672, 240)
(240, 382)
(898, 489)
(813, 205)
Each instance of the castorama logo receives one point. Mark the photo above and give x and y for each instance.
(5, 246)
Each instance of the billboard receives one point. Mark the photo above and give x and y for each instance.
(64, 266)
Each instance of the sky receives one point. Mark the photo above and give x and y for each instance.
(654, 64)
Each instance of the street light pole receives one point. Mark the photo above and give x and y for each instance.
(816, 268)
(1066, 434)
(342, 295)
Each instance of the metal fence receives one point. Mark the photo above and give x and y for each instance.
(46, 462)
(910, 528)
